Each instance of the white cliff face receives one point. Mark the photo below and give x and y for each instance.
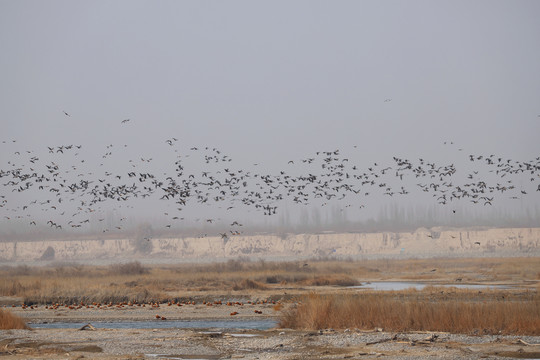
(422, 242)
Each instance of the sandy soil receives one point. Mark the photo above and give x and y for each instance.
(225, 344)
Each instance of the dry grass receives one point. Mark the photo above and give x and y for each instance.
(330, 280)
(9, 321)
(422, 312)
(249, 284)
(75, 283)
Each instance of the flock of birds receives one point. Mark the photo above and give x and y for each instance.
(70, 193)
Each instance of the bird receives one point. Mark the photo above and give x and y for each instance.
(65, 113)
(328, 176)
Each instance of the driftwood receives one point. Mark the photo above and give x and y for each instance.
(519, 341)
(88, 327)
(393, 338)
(425, 341)
(401, 338)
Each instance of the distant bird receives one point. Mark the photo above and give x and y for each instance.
(65, 113)
(125, 121)
(328, 176)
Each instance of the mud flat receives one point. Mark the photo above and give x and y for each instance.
(231, 342)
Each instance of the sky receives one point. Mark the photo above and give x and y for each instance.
(267, 82)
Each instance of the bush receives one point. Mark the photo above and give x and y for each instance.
(131, 268)
(249, 284)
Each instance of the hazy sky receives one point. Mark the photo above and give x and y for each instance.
(269, 81)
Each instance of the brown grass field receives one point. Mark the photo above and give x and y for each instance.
(315, 290)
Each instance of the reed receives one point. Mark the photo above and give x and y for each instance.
(416, 313)
(10, 321)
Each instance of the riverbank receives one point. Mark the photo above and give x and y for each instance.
(254, 344)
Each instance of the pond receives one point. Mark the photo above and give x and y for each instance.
(263, 324)
(402, 285)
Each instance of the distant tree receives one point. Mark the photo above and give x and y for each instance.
(142, 241)
(48, 254)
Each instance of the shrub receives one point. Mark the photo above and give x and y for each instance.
(249, 284)
(131, 268)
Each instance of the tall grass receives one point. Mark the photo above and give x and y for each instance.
(416, 313)
(10, 321)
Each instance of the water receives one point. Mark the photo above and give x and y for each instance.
(167, 324)
(402, 285)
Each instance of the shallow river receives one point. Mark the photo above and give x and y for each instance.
(262, 324)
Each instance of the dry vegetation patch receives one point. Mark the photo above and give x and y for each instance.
(420, 312)
(131, 268)
(329, 280)
(133, 281)
(10, 321)
(249, 284)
